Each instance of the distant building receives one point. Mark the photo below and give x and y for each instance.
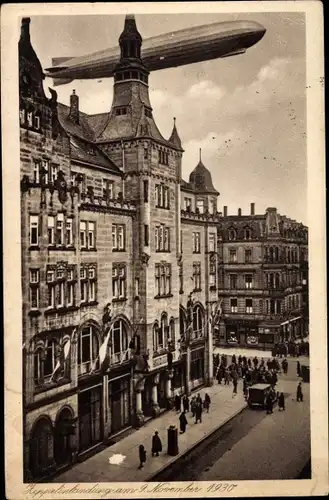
(262, 277)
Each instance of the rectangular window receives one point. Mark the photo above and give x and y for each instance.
(157, 280)
(146, 191)
(197, 275)
(70, 294)
(36, 172)
(162, 196)
(249, 280)
(34, 288)
(51, 230)
(162, 239)
(234, 305)
(34, 230)
(247, 256)
(83, 234)
(60, 229)
(91, 294)
(211, 246)
(118, 237)
(200, 205)
(119, 281)
(212, 274)
(52, 173)
(91, 235)
(51, 295)
(196, 242)
(233, 255)
(136, 287)
(69, 232)
(45, 166)
(249, 306)
(61, 294)
(187, 204)
(163, 279)
(146, 235)
(107, 187)
(233, 281)
(34, 276)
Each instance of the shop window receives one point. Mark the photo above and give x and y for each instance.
(88, 349)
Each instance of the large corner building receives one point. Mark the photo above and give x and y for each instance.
(123, 263)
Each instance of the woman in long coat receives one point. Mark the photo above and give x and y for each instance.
(186, 404)
(142, 456)
(178, 402)
(182, 422)
(156, 444)
(207, 402)
(281, 402)
(298, 369)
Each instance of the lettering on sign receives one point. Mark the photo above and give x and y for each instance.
(162, 360)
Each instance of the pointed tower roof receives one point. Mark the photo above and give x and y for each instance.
(200, 179)
(174, 138)
(130, 30)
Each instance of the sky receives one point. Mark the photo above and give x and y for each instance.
(247, 113)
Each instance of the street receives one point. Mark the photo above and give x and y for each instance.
(253, 445)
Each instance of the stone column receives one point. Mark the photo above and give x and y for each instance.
(139, 387)
(155, 405)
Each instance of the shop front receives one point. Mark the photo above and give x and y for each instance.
(147, 396)
(161, 388)
(243, 333)
(119, 403)
(197, 367)
(178, 379)
(90, 417)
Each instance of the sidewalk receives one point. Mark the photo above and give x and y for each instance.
(124, 454)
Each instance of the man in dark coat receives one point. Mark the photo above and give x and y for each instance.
(285, 366)
(207, 402)
(142, 456)
(198, 411)
(281, 402)
(182, 422)
(298, 369)
(186, 404)
(269, 403)
(300, 395)
(156, 445)
(234, 359)
(178, 402)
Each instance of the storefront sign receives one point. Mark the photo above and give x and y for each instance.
(162, 360)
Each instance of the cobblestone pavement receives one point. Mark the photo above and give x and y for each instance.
(124, 454)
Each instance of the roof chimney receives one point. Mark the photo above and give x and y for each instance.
(225, 211)
(74, 108)
(252, 208)
(239, 212)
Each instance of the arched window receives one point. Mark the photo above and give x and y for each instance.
(119, 342)
(155, 336)
(172, 330)
(197, 322)
(271, 254)
(50, 360)
(276, 254)
(38, 368)
(232, 234)
(88, 349)
(247, 234)
(182, 323)
(41, 447)
(164, 330)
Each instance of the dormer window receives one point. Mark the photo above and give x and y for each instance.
(121, 111)
(232, 234)
(200, 205)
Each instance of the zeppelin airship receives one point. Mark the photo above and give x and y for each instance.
(177, 48)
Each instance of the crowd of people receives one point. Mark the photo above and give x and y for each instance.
(293, 349)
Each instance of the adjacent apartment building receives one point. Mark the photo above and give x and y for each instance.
(263, 278)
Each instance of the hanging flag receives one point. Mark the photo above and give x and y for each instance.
(57, 366)
(102, 353)
(66, 349)
(124, 356)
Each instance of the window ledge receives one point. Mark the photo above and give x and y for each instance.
(213, 288)
(34, 247)
(196, 252)
(163, 251)
(123, 299)
(60, 310)
(87, 304)
(163, 296)
(83, 249)
(119, 250)
(34, 313)
(197, 290)
(61, 248)
(47, 386)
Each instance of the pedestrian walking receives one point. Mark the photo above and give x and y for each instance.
(182, 422)
(235, 386)
(284, 366)
(245, 387)
(207, 402)
(178, 403)
(186, 404)
(300, 395)
(281, 402)
(269, 404)
(298, 369)
(234, 359)
(227, 377)
(198, 412)
(249, 363)
(156, 444)
(193, 405)
(142, 456)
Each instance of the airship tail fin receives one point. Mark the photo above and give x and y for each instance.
(61, 81)
(57, 61)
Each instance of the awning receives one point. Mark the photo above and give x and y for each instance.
(290, 320)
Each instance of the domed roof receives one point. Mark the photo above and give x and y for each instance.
(201, 181)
